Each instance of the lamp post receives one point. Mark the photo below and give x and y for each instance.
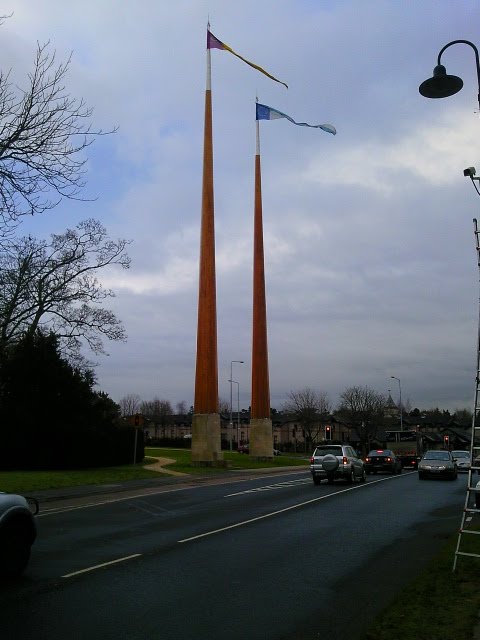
(238, 406)
(401, 408)
(442, 85)
(231, 398)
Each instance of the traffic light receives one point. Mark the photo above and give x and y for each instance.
(136, 420)
(328, 432)
(446, 440)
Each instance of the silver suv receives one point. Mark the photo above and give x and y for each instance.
(332, 461)
(17, 533)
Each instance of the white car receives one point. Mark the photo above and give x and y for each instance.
(477, 495)
(437, 463)
(462, 458)
(332, 461)
(18, 531)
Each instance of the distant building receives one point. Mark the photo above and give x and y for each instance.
(391, 409)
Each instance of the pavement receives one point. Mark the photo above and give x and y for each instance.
(159, 466)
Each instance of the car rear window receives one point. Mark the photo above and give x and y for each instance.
(322, 451)
(386, 453)
(436, 455)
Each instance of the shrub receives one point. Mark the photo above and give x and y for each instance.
(50, 416)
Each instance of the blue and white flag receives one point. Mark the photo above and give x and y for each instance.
(268, 113)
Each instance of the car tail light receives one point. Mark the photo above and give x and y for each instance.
(345, 460)
(389, 459)
(367, 459)
(312, 460)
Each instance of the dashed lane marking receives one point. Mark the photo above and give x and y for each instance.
(271, 487)
(99, 566)
(293, 506)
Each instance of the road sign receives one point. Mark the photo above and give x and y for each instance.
(137, 420)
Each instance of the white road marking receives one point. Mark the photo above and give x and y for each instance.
(99, 566)
(290, 483)
(55, 510)
(270, 487)
(153, 511)
(276, 513)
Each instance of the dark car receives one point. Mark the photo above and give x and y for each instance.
(437, 464)
(17, 533)
(382, 460)
(245, 448)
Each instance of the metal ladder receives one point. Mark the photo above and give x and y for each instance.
(468, 509)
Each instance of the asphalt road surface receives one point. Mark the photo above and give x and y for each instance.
(267, 558)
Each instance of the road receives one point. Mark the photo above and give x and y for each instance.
(271, 558)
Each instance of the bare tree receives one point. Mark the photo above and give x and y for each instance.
(159, 412)
(362, 409)
(311, 410)
(181, 408)
(224, 407)
(54, 285)
(407, 406)
(130, 404)
(43, 131)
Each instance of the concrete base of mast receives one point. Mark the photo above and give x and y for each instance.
(261, 439)
(206, 447)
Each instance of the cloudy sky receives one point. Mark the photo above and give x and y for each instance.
(370, 256)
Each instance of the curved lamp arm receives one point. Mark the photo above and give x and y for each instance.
(477, 60)
(442, 85)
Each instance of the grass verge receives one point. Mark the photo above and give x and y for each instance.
(438, 603)
(237, 461)
(27, 481)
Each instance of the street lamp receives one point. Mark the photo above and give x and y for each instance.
(238, 407)
(401, 408)
(442, 85)
(231, 399)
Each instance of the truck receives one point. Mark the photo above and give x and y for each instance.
(406, 446)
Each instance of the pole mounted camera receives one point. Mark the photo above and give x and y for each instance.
(469, 172)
